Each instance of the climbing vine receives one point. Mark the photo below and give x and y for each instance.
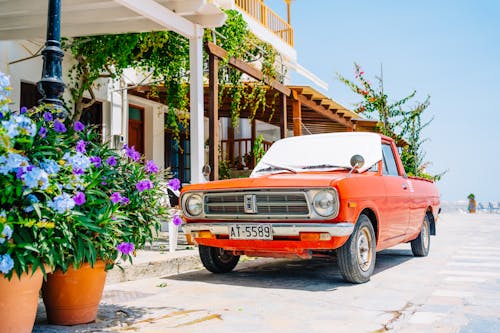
(163, 58)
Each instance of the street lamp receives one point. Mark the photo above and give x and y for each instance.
(51, 86)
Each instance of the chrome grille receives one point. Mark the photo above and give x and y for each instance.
(271, 204)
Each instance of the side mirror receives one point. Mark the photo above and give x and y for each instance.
(357, 162)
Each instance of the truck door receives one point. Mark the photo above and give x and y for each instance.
(396, 208)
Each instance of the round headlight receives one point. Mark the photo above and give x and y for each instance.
(325, 203)
(194, 205)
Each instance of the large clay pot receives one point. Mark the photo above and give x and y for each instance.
(73, 298)
(19, 302)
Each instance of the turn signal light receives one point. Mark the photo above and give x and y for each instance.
(203, 234)
(315, 236)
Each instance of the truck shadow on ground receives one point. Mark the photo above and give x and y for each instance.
(317, 274)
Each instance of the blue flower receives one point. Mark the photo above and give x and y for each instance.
(6, 233)
(50, 166)
(77, 161)
(23, 110)
(62, 203)
(36, 177)
(42, 132)
(6, 263)
(12, 162)
(32, 198)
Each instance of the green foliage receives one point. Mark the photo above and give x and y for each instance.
(394, 120)
(164, 57)
(258, 148)
(68, 199)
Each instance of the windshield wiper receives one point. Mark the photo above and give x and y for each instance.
(324, 166)
(273, 167)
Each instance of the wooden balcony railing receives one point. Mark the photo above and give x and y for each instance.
(268, 18)
(240, 153)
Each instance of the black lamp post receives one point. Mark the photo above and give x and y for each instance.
(51, 86)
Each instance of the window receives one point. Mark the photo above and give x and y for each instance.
(390, 166)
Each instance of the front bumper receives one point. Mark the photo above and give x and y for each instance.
(279, 229)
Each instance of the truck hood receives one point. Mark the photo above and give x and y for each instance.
(277, 180)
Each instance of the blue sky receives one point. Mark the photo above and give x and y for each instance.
(446, 49)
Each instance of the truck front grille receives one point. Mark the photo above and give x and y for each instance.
(271, 204)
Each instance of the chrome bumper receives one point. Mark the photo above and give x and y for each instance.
(279, 229)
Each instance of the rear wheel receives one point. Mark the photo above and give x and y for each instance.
(420, 245)
(217, 260)
(356, 258)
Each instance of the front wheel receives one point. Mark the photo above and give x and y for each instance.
(420, 245)
(356, 258)
(217, 260)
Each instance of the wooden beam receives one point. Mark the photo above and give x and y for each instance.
(297, 118)
(283, 118)
(213, 116)
(246, 68)
(324, 112)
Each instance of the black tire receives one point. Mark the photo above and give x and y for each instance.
(420, 246)
(356, 258)
(217, 260)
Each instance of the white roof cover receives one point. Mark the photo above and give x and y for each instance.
(323, 151)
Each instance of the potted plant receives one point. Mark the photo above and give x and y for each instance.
(70, 204)
(472, 203)
(31, 179)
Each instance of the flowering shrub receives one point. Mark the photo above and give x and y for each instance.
(66, 198)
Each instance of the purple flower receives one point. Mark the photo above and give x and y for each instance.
(78, 172)
(59, 127)
(132, 153)
(116, 197)
(19, 173)
(151, 167)
(144, 185)
(111, 161)
(80, 146)
(174, 184)
(23, 110)
(47, 116)
(79, 198)
(126, 248)
(1, 115)
(124, 201)
(78, 126)
(96, 160)
(177, 220)
(42, 132)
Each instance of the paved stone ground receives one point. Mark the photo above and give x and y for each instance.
(455, 289)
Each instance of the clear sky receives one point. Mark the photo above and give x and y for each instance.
(447, 49)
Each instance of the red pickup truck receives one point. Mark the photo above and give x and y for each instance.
(338, 194)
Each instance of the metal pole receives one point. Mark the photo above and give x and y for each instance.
(51, 86)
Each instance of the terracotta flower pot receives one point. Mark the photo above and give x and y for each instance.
(73, 298)
(19, 302)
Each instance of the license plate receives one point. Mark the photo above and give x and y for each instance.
(250, 231)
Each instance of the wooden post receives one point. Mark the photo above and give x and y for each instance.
(297, 116)
(252, 142)
(283, 117)
(213, 116)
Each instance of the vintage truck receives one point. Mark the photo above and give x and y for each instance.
(338, 194)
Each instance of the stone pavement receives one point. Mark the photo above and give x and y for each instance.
(154, 261)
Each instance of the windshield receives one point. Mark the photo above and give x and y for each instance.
(320, 152)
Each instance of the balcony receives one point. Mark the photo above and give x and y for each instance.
(268, 18)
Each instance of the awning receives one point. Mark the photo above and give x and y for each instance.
(27, 19)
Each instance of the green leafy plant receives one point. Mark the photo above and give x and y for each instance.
(68, 200)
(394, 120)
(258, 148)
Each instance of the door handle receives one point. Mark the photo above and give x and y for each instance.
(404, 186)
